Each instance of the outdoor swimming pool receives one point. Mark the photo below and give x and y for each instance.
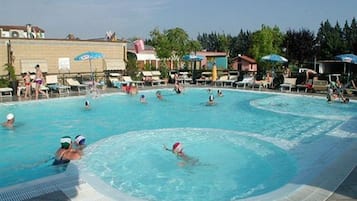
(248, 144)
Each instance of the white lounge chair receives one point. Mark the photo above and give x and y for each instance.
(53, 84)
(289, 83)
(75, 84)
(6, 91)
(247, 81)
(128, 80)
(156, 78)
(42, 88)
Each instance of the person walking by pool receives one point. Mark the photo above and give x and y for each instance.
(27, 81)
(66, 153)
(10, 120)
(39, 81)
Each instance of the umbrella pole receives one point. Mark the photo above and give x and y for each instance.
(91, 71)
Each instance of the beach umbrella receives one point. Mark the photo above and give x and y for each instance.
(274, 58)
(90, 55)
(190, 57)
(348, 58)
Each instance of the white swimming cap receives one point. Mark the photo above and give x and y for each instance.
(80, 139)
(10, 116)
(66, 141)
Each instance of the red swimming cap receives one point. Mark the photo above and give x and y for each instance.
(177, 147)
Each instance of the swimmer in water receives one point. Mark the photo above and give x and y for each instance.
(143, 99)
(87, 104)
(10, 120)
(211, 100)
(177, 149)
(159, 95)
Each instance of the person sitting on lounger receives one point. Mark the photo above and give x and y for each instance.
(10, 120)
(66, 153)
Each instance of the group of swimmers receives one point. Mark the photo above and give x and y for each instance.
(69, 150)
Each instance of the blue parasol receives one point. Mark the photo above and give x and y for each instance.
(89, 56)
(274, 58)
(348, 58)
(189, 57)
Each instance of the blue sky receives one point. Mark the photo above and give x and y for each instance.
(136, 18)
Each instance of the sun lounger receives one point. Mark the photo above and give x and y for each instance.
(230, 81)
(42, 88)
(220, 80)
(320, 85)
(76, 85)
(128, 80)
(183, 78)
(53, 84)
(6, 91)
(289, 83)
(156, 78)
(247, 81)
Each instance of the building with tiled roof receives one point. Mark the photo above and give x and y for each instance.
(27, 31)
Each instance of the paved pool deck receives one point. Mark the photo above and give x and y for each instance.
(71, 188)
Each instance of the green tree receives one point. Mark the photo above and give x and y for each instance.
(299, 46)
(331, 40)
(266, 41)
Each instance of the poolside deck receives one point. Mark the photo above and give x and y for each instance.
(70, 188)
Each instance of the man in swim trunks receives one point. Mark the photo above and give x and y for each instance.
(66, 153)
(39, 81)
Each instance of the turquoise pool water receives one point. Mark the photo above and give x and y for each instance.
(258, 126)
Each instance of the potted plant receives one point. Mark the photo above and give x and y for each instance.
(164, 73)
(12, 82)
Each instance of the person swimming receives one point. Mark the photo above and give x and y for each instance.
(210, 100)
(10, 120)
(65, 153)
(80, 142)
(177, 149)
(159, 95)
(142, 99)
(87, 104)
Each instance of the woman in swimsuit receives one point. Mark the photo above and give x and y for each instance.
(27, 81)
(66, 153)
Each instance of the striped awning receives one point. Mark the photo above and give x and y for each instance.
(28, 65)
(114, 64)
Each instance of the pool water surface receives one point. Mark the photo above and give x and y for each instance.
(244, 137)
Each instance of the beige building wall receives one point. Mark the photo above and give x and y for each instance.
(51, 50)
